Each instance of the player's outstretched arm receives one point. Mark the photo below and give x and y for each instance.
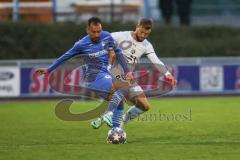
(162, 68)
(112, 56)
(112, 45)
(121, 60)
(66, 56)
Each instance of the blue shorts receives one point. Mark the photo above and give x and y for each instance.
(102, 85)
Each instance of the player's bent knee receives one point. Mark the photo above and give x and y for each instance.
(143, 105)
(144, 108)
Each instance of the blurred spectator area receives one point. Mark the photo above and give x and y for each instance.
(216, 7)
(216, 12)
(27, 10)
(108, 10)
(70, 10)
(204, 12)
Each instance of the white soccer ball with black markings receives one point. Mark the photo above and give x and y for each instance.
(116, 135)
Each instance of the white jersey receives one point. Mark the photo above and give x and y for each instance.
(133, 50)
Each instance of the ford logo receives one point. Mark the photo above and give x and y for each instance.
(4, 76)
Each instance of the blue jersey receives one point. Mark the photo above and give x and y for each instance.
(96, 55)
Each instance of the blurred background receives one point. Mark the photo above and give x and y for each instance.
(201, 12)
(197, 39)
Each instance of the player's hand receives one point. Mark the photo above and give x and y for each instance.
(130, 76)
(42, 71)
(170, 79)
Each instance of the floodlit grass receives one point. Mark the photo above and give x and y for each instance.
(181, 128)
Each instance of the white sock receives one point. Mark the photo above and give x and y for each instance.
(132, 113)
(110, 113)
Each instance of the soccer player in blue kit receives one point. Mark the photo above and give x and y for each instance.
(96, 48)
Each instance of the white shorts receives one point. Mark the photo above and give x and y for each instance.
(118, 73)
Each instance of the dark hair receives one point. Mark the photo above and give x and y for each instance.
(94, 21)
(146, 23)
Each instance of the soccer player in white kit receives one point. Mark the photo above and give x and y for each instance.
(134, 45)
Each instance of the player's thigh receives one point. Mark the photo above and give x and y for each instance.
(118, 84)
(103, 85)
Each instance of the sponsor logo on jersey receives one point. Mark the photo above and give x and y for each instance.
(98, 54)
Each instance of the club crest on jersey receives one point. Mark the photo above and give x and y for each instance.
(124, 45)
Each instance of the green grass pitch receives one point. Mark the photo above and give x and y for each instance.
(173, 129)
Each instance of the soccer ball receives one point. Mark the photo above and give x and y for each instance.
(116, 135)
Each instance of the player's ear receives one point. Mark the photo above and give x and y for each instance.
(87, 29)
(138, 26)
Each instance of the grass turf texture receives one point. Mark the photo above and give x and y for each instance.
(30, 130)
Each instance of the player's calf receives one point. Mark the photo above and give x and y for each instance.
(141, 106)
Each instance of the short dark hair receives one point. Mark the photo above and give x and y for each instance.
(94, 21)
(146, 23)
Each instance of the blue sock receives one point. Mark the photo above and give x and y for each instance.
(116, 106)
(117, 119)
(116, 99)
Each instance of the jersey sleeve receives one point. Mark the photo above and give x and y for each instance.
(76, 49)
(151, 55)
(149, 49)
